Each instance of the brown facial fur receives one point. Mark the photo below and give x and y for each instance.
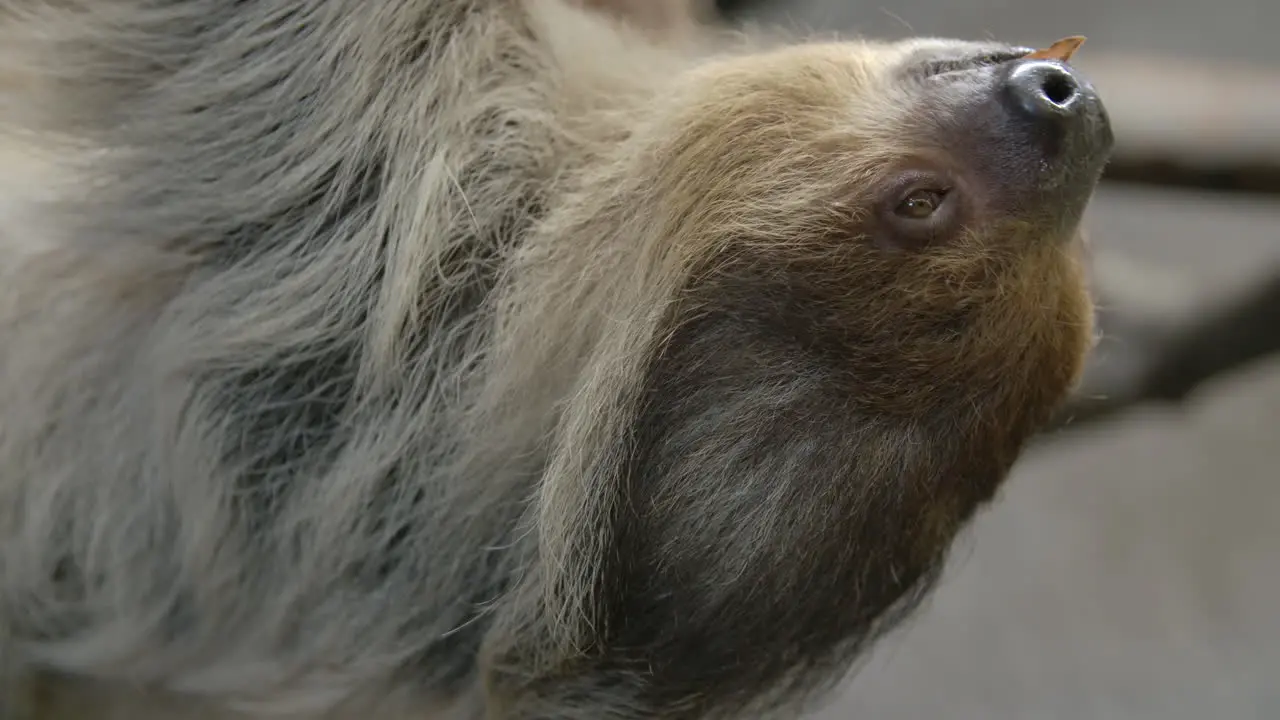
(494, 354)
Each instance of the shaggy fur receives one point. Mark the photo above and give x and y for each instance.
(360, 358)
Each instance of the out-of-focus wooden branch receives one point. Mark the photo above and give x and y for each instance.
(1190, 122)
(1165, 361)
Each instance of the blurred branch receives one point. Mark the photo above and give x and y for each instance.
(1167, 364)
(1217, 132)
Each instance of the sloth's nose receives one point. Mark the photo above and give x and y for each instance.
(1045, 92)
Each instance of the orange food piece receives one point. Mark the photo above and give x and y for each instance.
(1061, 50)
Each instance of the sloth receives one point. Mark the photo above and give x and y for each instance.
(507, 359)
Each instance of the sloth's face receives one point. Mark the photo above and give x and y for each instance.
(1000, 139)
(911, 208)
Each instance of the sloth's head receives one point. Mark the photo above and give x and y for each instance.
(908, 211)
(858, 269)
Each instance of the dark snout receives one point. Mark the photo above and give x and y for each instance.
(1055, 105)
(1033, 133)
(1045, 92)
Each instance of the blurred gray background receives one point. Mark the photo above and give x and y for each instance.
(1222, 29)
(1131, 569)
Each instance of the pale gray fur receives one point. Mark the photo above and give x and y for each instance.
(175, 586)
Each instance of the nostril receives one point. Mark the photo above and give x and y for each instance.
(1058, 87)
(1043, 91)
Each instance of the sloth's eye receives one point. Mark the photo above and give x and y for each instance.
(919, 204)
(919, 208)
